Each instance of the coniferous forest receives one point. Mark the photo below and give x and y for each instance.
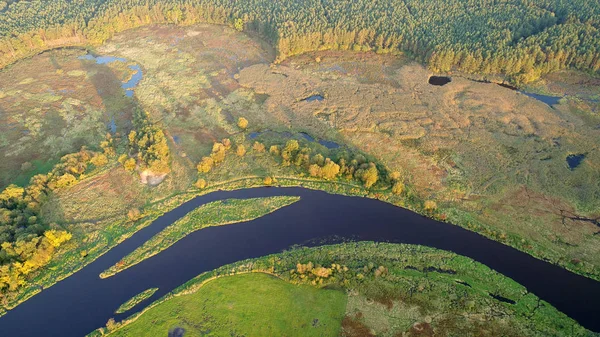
(522, 39)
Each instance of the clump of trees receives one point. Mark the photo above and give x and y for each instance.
(217, 155)
(357, 168)
(349, 167)
(316, 274)
(26, 241)
(148, 148)
(19, 206)
(21, 258)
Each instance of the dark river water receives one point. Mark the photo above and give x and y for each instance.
(84, 302)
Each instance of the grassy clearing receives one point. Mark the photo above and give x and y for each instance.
(391, 289)
(247, 305)
(135, 300)
(218, 213)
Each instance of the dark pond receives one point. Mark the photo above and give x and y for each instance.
(112, 125)
(84, 302)
(439, 80)
(502, 299)
(574, 160)
(307, 136)
(329, 144)
(314, 98)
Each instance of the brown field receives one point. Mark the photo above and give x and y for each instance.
(51, 105)
(488, 154)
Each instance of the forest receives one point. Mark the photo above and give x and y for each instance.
(522, 39)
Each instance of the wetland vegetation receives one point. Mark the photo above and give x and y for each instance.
(135, 300)
(353, 289)
(150, 104)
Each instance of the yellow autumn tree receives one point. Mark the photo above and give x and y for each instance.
(258, 147)
(57, 237)
(242, 123)
(200, 183)
(430, 205)
(398, 188)
(240, 150)
(205, 165)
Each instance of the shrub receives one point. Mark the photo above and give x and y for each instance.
(274, 150)
(398, 188)
(129, 165)
(430, 205)
(241, 150)
(201, 183)
(259, 147)
(205, 165)
(99, 160)
(134, 214)
(242, 123)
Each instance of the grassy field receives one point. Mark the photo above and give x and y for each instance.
(218, 213)
(354, 289)
(246, 305)
(135, 300)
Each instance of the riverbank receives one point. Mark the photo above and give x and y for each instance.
(390, 289)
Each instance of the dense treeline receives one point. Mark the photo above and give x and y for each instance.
(520, 38)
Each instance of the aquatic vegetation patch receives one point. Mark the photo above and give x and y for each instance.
(135, 300)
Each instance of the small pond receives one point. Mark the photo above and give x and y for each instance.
(550, 100)
(112, 125)
(574, 160)
(314, 98)
(133, 81)
(129, 85)
(439, 80)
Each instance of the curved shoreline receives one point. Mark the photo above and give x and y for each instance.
(318, 215)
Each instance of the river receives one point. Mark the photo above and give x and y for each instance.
(84, 302)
